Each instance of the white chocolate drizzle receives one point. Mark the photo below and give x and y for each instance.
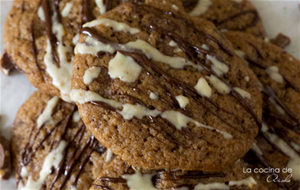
(204, 46)
(203, 88)
(76, 117)
(201, 186)
(242, 92)
(179, 120)
(52, 159)
(217, 66)
(46, 116)
(248, 181)
(176, 48)
(109, 155)
(130, 111)
(90, 74)
(153, 96)
(273, 72)
(201, 7)
(247, 78)
(139, 181)
(67, 9)
(220, 86)
(241, 54)
(75, 39)
(256, 149)
(278, 107)
(294, 161)
(100, 4)
(124, 68)
(61, 76)
(116, 26)
(41, 14)
(92, 46)
(182, 100)
(175, 7)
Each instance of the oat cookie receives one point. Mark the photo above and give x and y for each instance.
(52, 149)
(161, 90)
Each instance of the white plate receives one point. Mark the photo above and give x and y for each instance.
(278, 16)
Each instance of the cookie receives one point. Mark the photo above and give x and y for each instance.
(278, 143)
(52, 149)
(163, 91)
(40, 37)
(232, 15)
(119, 175)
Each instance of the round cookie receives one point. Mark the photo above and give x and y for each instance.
(40, 36)
(232, 15)
(119, 175)
(52, 149)
(164, 91)
(278, 143)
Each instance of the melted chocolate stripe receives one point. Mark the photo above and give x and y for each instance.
(184, 45)
(251, 24)
(34, 50)
(92, 145)
(157, 177)
(186, 88)
(272, 144)
(60, 168)
(159, 13)
(143, 60)
(87, 14)
(271, 93)
(108, 5)
(48, 26)
(283, 133)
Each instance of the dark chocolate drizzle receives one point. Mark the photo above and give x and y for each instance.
(87, 13)
(172, 176)
(66, 166)
(143, 60)
(108, 5)
(276, 124)
(48, 25)
(253, 23)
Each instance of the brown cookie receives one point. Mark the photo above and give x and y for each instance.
(164, 91)
(119, 175)
(278, 143)
(52, 149)
(232, 15)
(40, 36)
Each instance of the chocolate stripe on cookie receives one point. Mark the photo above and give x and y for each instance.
(60, 147)
(135, 54)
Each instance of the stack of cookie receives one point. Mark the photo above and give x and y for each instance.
(152, 94)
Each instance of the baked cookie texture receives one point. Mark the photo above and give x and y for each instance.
(120, 176)
(229, 15)
(52, 149)
(278, 143)
(40, 36)
(164, 90)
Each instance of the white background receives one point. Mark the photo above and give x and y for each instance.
(278, 16)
